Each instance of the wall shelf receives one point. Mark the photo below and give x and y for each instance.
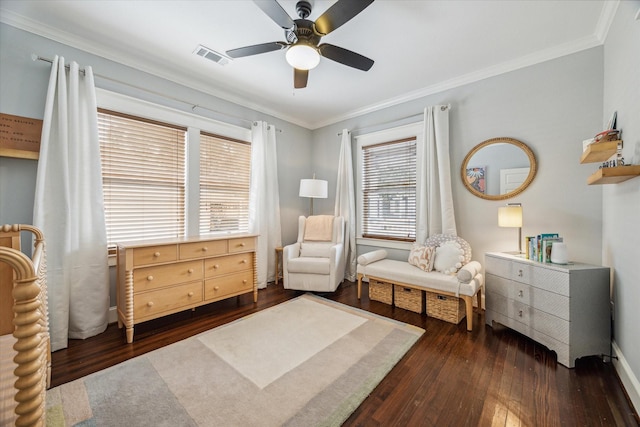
(600, 151)
(613, 175)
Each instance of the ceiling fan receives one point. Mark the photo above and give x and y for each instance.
(303, 36)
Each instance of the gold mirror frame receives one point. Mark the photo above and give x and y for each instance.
(532, 170)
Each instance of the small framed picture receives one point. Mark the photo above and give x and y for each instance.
(476, 178)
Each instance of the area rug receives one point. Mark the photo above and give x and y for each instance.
(305, 362)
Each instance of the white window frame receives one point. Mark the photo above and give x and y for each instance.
(194, 124)
(393, 134)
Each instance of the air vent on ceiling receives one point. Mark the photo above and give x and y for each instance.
(211, 55)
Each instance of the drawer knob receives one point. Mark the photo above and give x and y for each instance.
(519, 273)
(520, 293)
(216, 266)
(149, 278)
(215, 288)
(190, 270)
(520, 313)
(150, 304)
(205, 249)
(190, 294)
(244, 281)
(242, 244)
(244, 261)
(156, 254)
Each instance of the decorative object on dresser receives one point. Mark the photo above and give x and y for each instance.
(564, 307)
(511, 216)
(161, 277)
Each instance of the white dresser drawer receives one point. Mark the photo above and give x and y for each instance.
(549, 302)
(497, 284)
(497, 302)
(498, 266)
(551, 280)
(520, 292)
(520, 312)
(550, 325)
(521, 272)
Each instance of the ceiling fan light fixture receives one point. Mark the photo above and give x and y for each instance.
(303, 56)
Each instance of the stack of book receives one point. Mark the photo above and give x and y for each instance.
(538, 248)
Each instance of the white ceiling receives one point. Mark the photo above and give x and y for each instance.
(419, 47)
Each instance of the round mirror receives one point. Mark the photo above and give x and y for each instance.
(498, 168)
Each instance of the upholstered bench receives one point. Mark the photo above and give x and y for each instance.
(463, 280)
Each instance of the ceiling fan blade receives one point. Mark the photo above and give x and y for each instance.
(341, 12)
(274, 11)
(256, 49)
(346, 57)
(300, 78)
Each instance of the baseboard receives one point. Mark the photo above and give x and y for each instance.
(113, 314)
(629, 380)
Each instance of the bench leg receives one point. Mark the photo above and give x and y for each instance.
(359, 285)
(468, 303)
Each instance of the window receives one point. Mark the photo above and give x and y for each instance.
(387, 185)
(225, 178)
(389, 190)
(143, 174)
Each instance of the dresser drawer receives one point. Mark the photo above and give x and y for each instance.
(496, 302)
(222, 286)
(148, 278)
(521, 272)
(228, 264)
(520, 292)
(242, 244)
(497, 266)
(202, 249)
(150, 304)
(551, 326)
(549, 302)
(497, 284)
(154, 255)
(520, 312)
(551, 280)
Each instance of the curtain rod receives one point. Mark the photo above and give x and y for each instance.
(415, 116)
(36, 57)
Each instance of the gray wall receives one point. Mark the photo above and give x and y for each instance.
(551, 107)
(23, 88)
(621, 202)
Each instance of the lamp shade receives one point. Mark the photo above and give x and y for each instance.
(314, 188)
(303, 56)
(510, 216)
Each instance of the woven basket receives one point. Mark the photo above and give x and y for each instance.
(445, 307)
(380, 291)
(408, 298)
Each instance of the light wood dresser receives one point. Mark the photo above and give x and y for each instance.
(564, 307)
(161, 277)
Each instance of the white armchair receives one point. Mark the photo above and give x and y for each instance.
(316, 262)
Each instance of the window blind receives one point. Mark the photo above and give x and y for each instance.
(225, 179)
(389, 190)
(143, 173)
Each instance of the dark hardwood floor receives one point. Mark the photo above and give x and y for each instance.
(450, 377)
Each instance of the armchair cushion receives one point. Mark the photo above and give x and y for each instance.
(316, 249)
(309, 265)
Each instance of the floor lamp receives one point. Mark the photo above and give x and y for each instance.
(313, 189)
(511, 216)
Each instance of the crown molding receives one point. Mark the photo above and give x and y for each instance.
(505, 67)
(606, 18)
(206, 87)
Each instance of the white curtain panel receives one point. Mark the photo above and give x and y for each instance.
(434, 195)
(69, 207)
(264, 199)
(346, 204)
